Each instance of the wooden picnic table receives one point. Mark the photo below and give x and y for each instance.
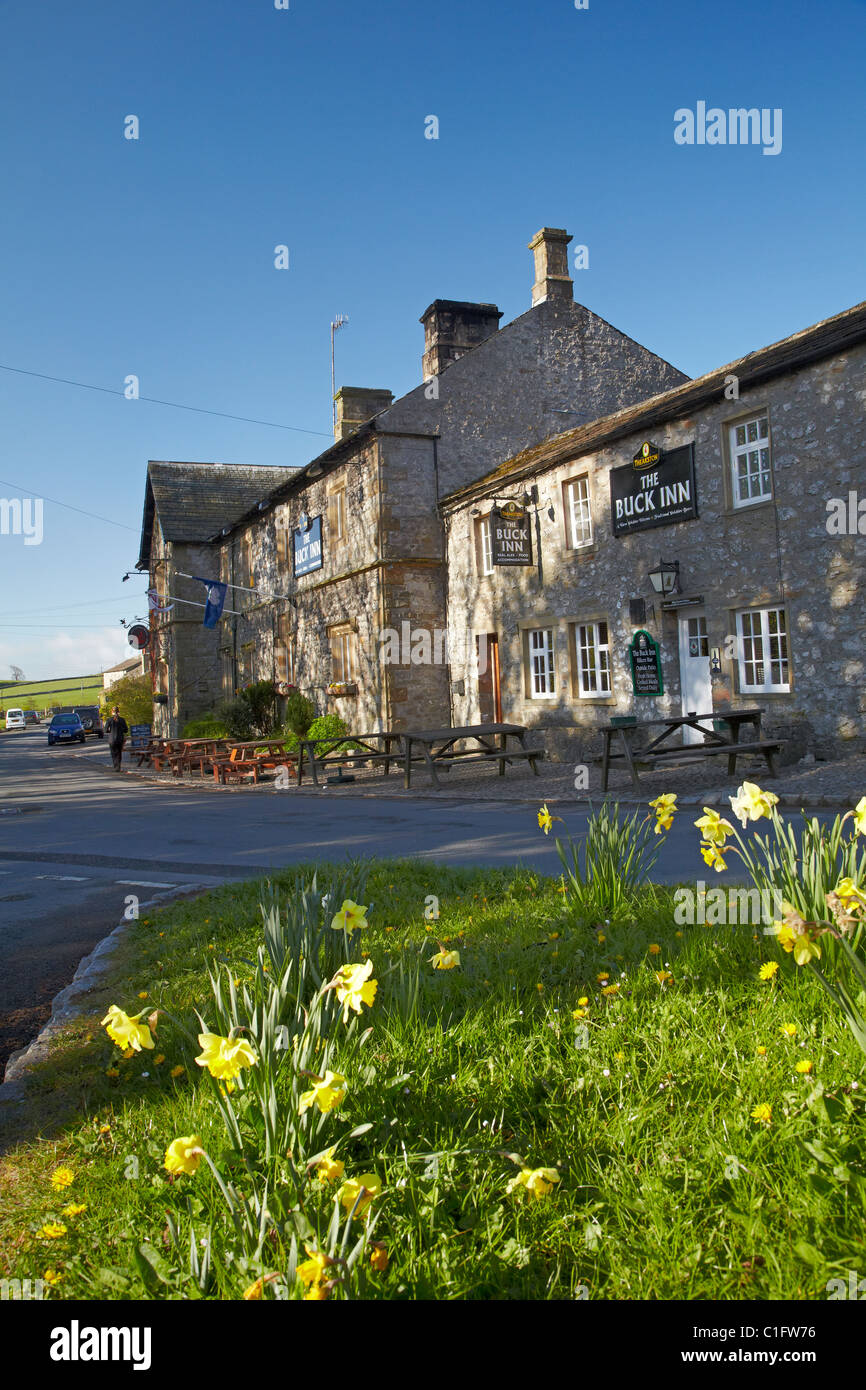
(436, 747)
(715, 741)
(356, 748)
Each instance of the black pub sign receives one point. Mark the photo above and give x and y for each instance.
(656, 489)
(510, 536)
(646, 666)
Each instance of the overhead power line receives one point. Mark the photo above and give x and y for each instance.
(174, 405)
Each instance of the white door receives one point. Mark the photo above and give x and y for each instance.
(695, 670)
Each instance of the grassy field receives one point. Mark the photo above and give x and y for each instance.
(38, 695)
(668, 1187)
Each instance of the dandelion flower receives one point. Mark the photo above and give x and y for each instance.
(654, 949)
(763, 1113)
(803, 1067)
(52, 1230)
(176, 1072)
(788, 1030)
(768, 970)
(62, 1177)
(762, 1051)
(610, 989)
(74, 1209)
(52, 1277)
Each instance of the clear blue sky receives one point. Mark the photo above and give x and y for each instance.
(306, 127)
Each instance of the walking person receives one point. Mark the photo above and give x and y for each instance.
(117, 728)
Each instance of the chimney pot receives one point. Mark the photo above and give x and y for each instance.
(552, 280)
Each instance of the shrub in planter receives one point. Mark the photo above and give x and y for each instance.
(328, 726)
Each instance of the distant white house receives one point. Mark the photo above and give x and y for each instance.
(133, 666)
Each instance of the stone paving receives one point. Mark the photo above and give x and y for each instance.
(838, 784)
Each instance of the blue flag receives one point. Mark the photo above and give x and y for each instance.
(216, 597)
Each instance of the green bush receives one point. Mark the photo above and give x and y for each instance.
(205, 726)
(236, 716)
(328, 726)
(300, 713)
(261, 699)
(133, 696)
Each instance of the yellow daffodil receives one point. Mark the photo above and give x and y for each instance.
(350, 917)
(254, 1292)
(329, 1168)
(354, 987)
(52, 1230)
(128, 1033)
(664, 807)
(379, 1257)
(768, 970)
(313, 1271)
(445, 960)
(74, 1209)
(538, 1182)
(751, 803)
(713, 827)
(366, 1187)
(803, 1067)
(763, 1113)
(326, 1092)
(545, 819)
(713, 856)
(62, 1177)
(793, 935)
(860, 816)
(225, 1058)
(850, 892)
(184, 1155)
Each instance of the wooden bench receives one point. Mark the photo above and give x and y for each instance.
(696, 752)
(336, 755)
(437, 747)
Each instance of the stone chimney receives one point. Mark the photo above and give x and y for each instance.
(452, 327)
(356, 405)
(552, 280)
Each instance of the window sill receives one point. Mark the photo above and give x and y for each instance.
(747, 509)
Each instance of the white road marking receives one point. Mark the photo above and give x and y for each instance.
(65, 878)
(143, 883)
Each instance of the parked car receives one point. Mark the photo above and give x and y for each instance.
(31, 717)
(91, 719)
(64, 728)
(15, 719)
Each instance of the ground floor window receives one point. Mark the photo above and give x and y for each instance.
(343, 654)
(763, 659)
(592, 651)
(284, 651)
(541, 668)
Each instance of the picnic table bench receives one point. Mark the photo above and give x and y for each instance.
(437, 748)
(249, 758)
(715, 742)
(352, 749)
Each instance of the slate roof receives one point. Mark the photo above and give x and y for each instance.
(821, 340)
(196, 500)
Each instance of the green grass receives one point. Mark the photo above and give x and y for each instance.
(668, 1189)
(69, 690)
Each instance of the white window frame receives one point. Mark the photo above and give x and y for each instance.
(485, 545)
(343, 666)
(740, 452)
(579, 512)
(761, 647)
(592, 655)
(542, 662)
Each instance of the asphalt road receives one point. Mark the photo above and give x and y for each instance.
(75, 840)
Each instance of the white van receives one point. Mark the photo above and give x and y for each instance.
(15, 719)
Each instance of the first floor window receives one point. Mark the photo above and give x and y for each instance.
(750, 461)
(226, 670)
(342, 654)
(763, 650)
(593, 659)
(245, 665)
(541, 669)
(579, 514)
(484, 546)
